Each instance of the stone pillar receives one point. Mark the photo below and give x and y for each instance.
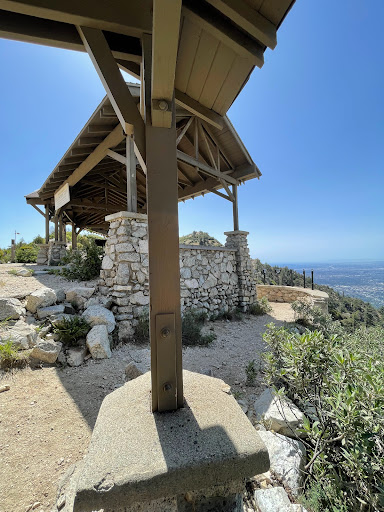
(56, 251)
(124, 274)
(247, 282)
(42, 255)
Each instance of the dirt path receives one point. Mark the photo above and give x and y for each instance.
(19, 287)
(47, 417)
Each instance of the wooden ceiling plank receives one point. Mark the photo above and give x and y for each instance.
(115, 86)
(236, 77)
(250, 20)
(205, 55)
(224, 31)
(165, 39)
(220, 68)
(189, 41)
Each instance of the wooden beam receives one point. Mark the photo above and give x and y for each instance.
(242, 14)
(118, 93)
(165, 38)
(199, 110)
(38, 210)
(207, 18)
(21, 27)
(235, 209)
(130, 18)
(114, 138)
(183, 157)
(131, 176)
(117, 156)
(220, 194)
(184, 130)
(46, 224)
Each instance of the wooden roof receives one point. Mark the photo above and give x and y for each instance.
(201, 53)
(102, 190)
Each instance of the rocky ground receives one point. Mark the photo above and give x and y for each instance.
(47, 415)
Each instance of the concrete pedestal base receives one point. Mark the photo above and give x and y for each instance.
(193, 459)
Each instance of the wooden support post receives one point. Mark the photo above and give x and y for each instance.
(74, 236)
(163, 248)
(235, 209)
(131, 175)
(164, 271)
(46, 224)
(56, 227)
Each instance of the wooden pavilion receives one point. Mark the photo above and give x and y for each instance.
(197, 55)
(210, 156)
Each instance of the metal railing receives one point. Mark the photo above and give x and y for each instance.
(277, 271)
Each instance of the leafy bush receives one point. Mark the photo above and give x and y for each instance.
(251, 373)
(27, 253)
(10, 357)
(192, 322)
(84, 264)
(71, 330)
(260, 307)
(339, 383)
(38, 240)
(233, 315)
(314, 318)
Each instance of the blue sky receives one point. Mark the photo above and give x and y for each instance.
(312, 118)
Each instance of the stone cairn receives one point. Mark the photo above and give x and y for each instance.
(213, 279)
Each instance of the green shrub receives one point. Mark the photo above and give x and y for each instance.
(232, 315)
(10, 357)
(192, 323)
(27, 253)
(260, 307)
(71, 330)
(38, 240)
(315, 318)
(339, 383)
(251, 373)
(84, 264)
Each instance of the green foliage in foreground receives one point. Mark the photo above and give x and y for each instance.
(83, 264)
(71, 330)
(338, 381)
(10, 357)
(260, 307)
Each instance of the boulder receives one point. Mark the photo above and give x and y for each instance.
(98, 315)
(24, 336)
(98, 342)
(79, 295)
(132, 372)
(24, 272)
(41, 298)
(60, 295)
(287, 458)
(278, 414)
(46, 351)
(76, 356)
(10, 308)
(272, 500)
(50, 310)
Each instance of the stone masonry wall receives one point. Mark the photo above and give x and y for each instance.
(293, 293)
(211, 278)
